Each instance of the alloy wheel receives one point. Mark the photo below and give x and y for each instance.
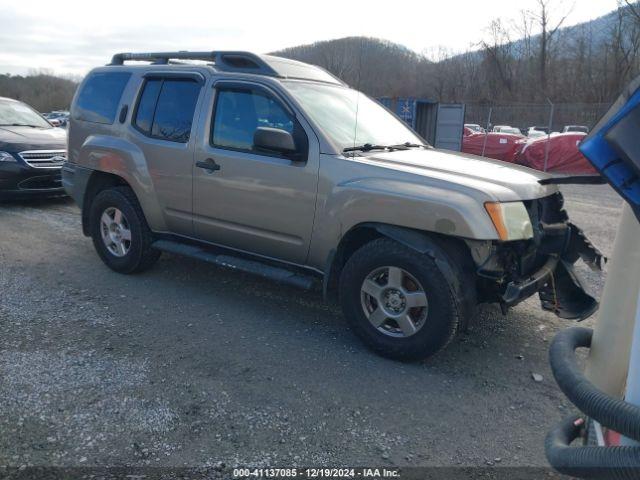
(116, 233)
(394, 302)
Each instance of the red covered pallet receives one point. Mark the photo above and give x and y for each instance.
(564, 156)
(501, 146)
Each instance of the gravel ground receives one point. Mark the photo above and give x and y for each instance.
(192, 365)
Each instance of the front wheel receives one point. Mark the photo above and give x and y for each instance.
(398, 301)
(119, 231)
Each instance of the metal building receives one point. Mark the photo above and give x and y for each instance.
(440, 124)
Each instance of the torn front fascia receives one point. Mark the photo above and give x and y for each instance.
(561, 244)
(555, 239)
(510, 272)
(563, 293)
(579, 246)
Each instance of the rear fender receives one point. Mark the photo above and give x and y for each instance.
(119, 157)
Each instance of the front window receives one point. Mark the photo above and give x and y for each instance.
(240, 111)
(17, 114)
(349, 117)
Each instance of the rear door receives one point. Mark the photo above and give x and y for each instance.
(254, 201)
(450, 126)
(162, 127)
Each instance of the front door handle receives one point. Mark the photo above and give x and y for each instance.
(209, 164)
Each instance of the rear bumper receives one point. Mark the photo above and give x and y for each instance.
(74, 181)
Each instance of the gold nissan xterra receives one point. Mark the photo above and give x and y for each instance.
(276, 167)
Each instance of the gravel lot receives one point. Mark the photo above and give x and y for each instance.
(192, 365)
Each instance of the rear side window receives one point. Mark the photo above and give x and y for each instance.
(166, 108)
(99, 98)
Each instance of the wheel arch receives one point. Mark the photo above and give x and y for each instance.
(451, 254)
(98, 181)
(109, 156)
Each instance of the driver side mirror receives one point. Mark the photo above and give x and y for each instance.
(274, 140)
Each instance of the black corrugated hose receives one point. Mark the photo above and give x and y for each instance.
(621, 462)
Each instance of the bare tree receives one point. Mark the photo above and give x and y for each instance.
(548, 30)
(498, 52)
(40, 89)
(632, 8)
(514, 61)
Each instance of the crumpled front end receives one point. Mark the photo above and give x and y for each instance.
(510, 272)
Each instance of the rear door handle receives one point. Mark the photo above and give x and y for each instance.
(209, 164)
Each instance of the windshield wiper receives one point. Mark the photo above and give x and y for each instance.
(367, 147)
(20, 125)
(406, 145)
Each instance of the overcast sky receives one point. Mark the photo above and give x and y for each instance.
(71, 36)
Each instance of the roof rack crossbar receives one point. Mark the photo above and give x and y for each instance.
(224, 60)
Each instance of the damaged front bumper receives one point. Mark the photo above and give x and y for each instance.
(514, 271)
(558, 284)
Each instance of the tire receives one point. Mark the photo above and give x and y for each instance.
(137, 254)
(435, 329)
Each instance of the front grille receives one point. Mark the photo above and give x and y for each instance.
(44, 158)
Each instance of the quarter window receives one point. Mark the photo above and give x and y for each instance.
(166, 108)
(99, 98)
(240, 111)
(147, 105)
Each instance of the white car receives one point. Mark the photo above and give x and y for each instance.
(575, 128)
(507, 129)
(534, 133)
(475, 127)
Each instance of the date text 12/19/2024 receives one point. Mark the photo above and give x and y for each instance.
(309, 473)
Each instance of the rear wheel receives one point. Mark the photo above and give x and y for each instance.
(120, 232)
(398, 301)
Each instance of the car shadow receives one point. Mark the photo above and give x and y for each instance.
(292, 317)
(36, 201)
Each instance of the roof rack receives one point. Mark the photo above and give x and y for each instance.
(237, 61)
(230, 61)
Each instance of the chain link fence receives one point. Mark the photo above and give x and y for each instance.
(544, 116)
(532, 121)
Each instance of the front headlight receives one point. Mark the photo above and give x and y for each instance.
(6, 157)
(511, 220)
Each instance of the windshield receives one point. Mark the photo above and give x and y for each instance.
(18, 114)
(349, 117)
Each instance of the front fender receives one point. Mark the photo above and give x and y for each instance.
(413, 205)
(450, 211)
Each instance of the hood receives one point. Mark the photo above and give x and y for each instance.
(500, 180)
(19, 139)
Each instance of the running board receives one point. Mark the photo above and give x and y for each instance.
(277, 274)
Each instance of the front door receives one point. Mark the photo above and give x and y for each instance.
(248, 199)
